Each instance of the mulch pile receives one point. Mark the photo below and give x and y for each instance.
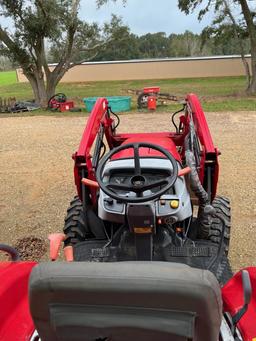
(31, 248)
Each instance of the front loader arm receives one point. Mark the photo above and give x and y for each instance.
(98, 118)
(208, 154)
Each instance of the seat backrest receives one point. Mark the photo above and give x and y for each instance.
(124, 301)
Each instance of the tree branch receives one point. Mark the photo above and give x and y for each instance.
(44, 62)
(65, 60)
(41, 6)
(96, 46)
(20, 54)
(240, 42)
(249, 20)
(83, 60)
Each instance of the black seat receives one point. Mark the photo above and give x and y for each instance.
(124, 301)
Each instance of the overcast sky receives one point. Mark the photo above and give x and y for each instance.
(143, 16)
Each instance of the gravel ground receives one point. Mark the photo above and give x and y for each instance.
(36, 175)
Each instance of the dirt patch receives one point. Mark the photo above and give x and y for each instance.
(36, 174)
(31, 248)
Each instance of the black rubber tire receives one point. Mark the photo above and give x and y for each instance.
(75, 227)
(11, 251)
(224, 272)
(141, 102)
(223, 210)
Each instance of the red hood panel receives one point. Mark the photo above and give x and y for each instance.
(163, 142)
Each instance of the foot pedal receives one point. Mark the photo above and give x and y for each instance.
(190, 251)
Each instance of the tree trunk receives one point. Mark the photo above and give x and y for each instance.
(252, 88)
(252, 34)
(240, 42)
(37, 83)
(33, 84)
(247, 71)
(43, 100)
(43, 89)
(51, 84)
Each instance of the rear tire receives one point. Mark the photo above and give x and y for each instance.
(75, 227)
(223, 211)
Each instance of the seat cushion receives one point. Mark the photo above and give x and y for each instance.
(124, 301)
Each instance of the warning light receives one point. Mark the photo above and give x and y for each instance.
(174, 203)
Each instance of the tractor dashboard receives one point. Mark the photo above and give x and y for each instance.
(119, 173)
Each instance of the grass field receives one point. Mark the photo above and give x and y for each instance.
(8, 78)
(216, 94)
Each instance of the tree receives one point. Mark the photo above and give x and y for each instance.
(127, 48)
(55, 23)
(234, 14)
(5, 64)
(186, 44)
(154, 45)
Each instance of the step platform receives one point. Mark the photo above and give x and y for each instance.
(200, 254)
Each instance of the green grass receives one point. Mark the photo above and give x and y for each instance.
(216, 94)
(8, 78)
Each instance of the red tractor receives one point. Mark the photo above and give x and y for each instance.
(138, 200)
(146, 240)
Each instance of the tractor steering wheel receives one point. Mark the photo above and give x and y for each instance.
(137, 182)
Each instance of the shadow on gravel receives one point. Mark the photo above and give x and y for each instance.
(31, 248)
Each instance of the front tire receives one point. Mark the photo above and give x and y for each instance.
(222, 220)
(223, 211)
(75, 227)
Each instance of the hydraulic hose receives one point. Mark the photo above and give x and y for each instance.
(206, 210)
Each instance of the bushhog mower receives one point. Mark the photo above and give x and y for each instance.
(150, 93)
(146, 240)
(59, 102)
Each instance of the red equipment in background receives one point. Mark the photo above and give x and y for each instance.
(151, 103)
(149, 97)
(59, 102)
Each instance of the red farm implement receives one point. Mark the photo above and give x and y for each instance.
(152, 93)
(59, 102)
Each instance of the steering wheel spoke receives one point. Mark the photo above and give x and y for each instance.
(155, 184)
(121, 187)
(137, 159)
